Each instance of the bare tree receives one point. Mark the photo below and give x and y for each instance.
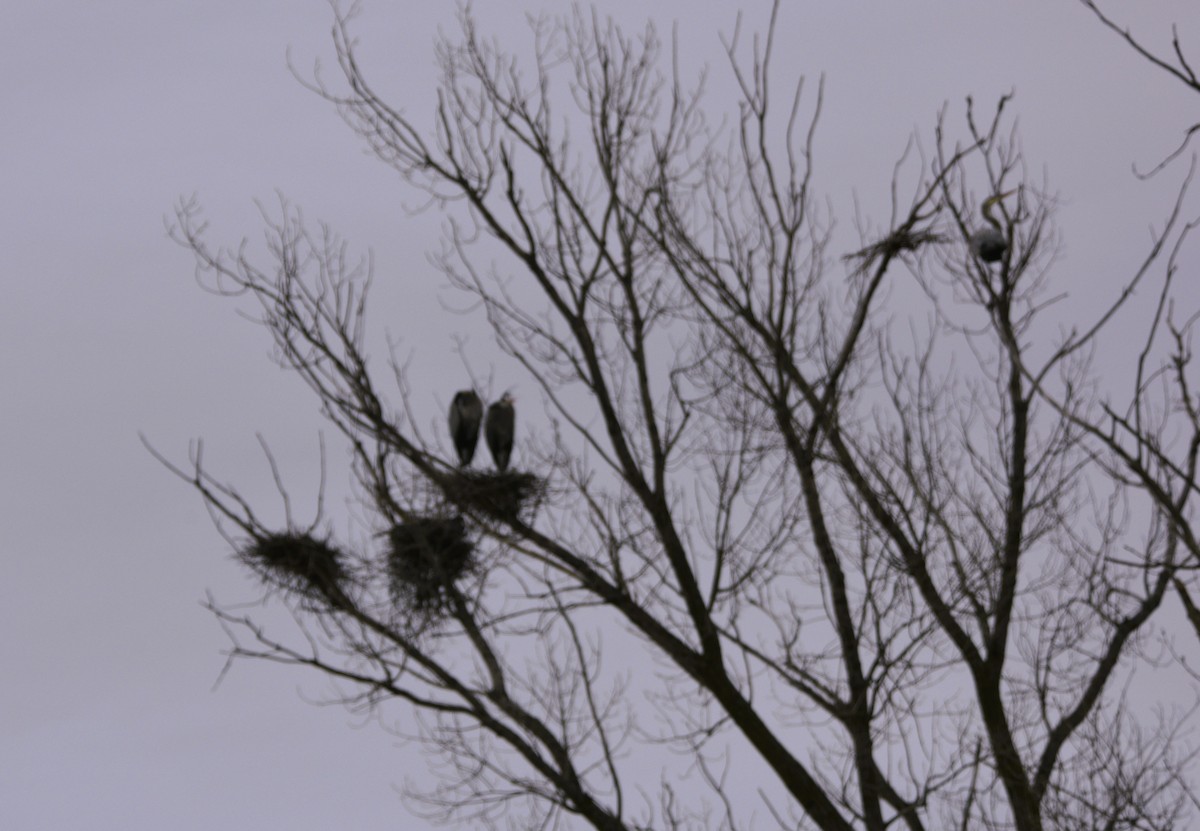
(873, 523)
(1153, 432)
(1177, 65)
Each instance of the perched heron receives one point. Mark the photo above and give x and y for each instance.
(989, 244)
(466, 411)
(501, 419)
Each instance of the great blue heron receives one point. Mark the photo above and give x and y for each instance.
(501, 419)
(466, 411)
(989, 244)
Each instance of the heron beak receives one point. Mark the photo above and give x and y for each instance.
(1005, 195)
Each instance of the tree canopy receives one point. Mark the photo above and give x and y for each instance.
(865, 525)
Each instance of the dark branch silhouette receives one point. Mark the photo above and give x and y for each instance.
(867, 527)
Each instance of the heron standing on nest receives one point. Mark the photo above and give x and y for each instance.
(501, 420)
(990, 243)
(466, 412)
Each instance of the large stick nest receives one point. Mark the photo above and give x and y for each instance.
(298, 563)
(426, 557)
(895, 243)
(502, 495)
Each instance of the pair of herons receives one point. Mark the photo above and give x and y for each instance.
(466, 414)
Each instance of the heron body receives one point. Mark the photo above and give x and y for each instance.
(466, 412)
(498, 430)
(990, 243)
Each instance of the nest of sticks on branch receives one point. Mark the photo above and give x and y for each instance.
(426, 557)
(299, 564)
(900, 240)
(502, 495)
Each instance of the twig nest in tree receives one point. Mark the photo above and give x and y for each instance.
(297, 563)
(426, 557)
(503, 495)
(895, 243)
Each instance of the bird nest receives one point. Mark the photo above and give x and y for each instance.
(298, 563)
(895, 243)
(502, 495)
(425, 558)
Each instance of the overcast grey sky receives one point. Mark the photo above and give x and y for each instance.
(112, 111)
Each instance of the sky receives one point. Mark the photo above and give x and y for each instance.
(114, 111)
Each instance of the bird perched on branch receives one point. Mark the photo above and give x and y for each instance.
(990, 243)
(466, 412)
(501, 420)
